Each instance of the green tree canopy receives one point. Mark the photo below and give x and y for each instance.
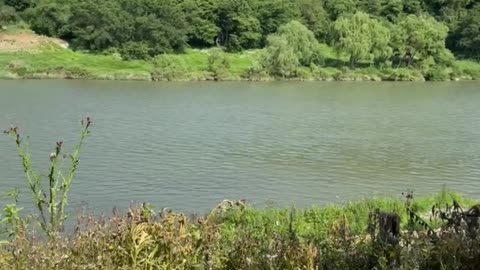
(361, 37)
(145, 28)
(315, 18)
(19, 5)
(419, 37)
(50, 18)
(7, 14)
(274, 13)
(291, 47)
(202, 15)
(138, 28)
(338, 8)
(239, 27)
(466, 39)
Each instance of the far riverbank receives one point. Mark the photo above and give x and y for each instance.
(52, 62)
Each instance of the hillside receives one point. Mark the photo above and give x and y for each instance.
(27, 42)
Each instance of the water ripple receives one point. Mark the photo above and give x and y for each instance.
(189, 146)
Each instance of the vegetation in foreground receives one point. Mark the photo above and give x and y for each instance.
(428, 233)
(234, 236)
(164, 40)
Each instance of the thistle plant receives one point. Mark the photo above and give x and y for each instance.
(50, 202)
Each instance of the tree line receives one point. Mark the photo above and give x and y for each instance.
(394, 32)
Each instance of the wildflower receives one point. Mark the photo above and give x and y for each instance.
(87, 121)
(11, 130)
(53, 155)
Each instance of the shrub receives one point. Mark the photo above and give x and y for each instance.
(19, 5)
(324, 74)
(469, 68)
(218, 64)
(437, 73)
(168, 68)
(294, 46)
(77, 73)
(257, 72)
(402, 74)
(474, 73)
(113, 51)
(135, 50)
(8, 15)
(303, 73)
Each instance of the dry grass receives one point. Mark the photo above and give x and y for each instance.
(234, 236)
(27, 42)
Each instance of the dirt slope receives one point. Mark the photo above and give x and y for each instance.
(26, 42)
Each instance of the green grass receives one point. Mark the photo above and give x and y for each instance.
(469, 68)
(50, 61)
(19, 28)
(53, 59)
(197, 60)
(315, 221)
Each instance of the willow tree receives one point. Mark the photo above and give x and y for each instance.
(361, 37)
(419, 38)
(292, 47)
(280, 58)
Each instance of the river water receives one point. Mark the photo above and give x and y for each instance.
(188, 146)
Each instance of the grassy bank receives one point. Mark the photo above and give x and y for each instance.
(235, 236)
(52, 62)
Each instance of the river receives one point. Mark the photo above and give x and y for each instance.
(188, 146)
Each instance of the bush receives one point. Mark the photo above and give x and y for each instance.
(113, 51)
(324, 74)
(303, 73)
(402, 74)
(77, 73)
(168, 68)
(257, 72)
(135, 50)
(475, 74)
(293, 47)
(8, 15)
(437, 73)
(469, 68)
(218, 64)
(19, 5)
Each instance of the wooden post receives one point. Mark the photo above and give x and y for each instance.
(388, 226)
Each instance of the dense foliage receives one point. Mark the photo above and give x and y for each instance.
(371, 39)
(141, 28)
